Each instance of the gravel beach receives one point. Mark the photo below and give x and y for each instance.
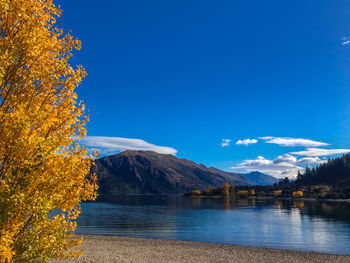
(99, 249)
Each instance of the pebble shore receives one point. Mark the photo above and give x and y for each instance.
(100, 249)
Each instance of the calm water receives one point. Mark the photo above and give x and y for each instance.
(300, 225)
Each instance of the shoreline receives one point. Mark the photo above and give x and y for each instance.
(271, 198)
(347, 200)
(103, 248)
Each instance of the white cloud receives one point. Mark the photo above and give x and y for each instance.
(225, 142)
(288, 164)
(246, 142)
(290, 142)
(108, 145)
(345, 41)
(285, 158)
(266, 137)
(311, 160)
(283, 166)
(321, 152)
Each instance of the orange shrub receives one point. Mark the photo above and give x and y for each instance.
(243, 193)
(277, 193)
(298, 194)
(196, 192)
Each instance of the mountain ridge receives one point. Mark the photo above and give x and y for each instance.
(261, 179)
(146, 172)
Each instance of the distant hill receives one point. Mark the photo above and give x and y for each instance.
(146, 172)
(261, 179)
(335, 172)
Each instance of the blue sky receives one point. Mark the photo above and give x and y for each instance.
(188, 74)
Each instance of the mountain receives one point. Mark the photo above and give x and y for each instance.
(261, 179)
(146, 172)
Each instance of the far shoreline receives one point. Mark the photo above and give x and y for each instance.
(269, 198)
(108, 198)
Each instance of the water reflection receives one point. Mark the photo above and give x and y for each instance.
(227, 203)
(299, 204)
(298, 224)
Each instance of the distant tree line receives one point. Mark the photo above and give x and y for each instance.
(335, 172)
(330, 180)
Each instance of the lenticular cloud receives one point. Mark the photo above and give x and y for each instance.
(291, 142)
(117, 144)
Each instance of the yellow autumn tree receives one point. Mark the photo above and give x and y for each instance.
(43, 169)
(226, 189)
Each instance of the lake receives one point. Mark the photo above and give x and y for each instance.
(301, 225)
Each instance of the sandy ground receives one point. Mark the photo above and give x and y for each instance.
(124, 249)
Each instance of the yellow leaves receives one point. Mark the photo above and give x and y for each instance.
(252, 192)
(4, 6)
(43, 171)
(5, 248)
(2, 75)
